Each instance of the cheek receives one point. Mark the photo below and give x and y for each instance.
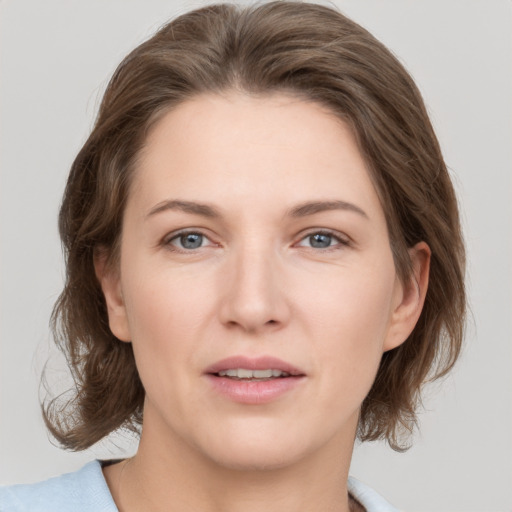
(162, 319)
(170, 316)
(162, 299)
(349, 319)
(351, 301)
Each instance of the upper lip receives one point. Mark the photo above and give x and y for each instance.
(253, 363)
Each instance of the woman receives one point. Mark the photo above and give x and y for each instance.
(264, 260)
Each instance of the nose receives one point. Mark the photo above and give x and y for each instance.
(252, 291)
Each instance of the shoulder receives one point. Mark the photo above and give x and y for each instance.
(84, 490)
(368, 498)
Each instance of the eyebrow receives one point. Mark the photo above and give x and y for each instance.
(185, 206)
(301, 210)
(312, 207)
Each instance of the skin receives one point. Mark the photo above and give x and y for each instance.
(255, 286)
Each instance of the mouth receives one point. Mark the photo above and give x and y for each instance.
(253, 380)
(259, 368)
(253, 375)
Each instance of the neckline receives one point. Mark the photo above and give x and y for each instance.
(103, 463)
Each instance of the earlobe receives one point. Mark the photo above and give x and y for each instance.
(411, 297)
(110, 283)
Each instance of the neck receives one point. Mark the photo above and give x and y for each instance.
(158, 479)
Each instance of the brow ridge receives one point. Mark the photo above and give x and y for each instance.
(312, 207)
(185, 206)
(301, 210)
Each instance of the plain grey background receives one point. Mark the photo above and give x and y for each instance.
(55, 59)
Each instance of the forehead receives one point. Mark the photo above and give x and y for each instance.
(236, 148)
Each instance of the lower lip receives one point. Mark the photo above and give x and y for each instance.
(254, 392)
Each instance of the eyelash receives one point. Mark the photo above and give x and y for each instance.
(176, 236)
(342, 242)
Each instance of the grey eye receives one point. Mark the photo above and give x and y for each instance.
(320, 240)
(191, 240)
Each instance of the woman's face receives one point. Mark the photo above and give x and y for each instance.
(256, 281)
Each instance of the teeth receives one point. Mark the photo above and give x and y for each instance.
(242, 373)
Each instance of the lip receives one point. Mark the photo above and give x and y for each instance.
(253, 392)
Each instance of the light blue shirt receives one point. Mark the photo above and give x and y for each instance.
(86, 490)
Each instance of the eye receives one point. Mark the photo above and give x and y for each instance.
(188, 241)
(322, 240)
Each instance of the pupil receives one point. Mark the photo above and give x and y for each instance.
(191, 240)
(320, 241)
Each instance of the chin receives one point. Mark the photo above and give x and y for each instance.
(264, 452)
(255, 460)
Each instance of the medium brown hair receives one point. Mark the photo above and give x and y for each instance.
(298, 48)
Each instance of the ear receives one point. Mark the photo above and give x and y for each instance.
(110, 281)
(409, 297)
